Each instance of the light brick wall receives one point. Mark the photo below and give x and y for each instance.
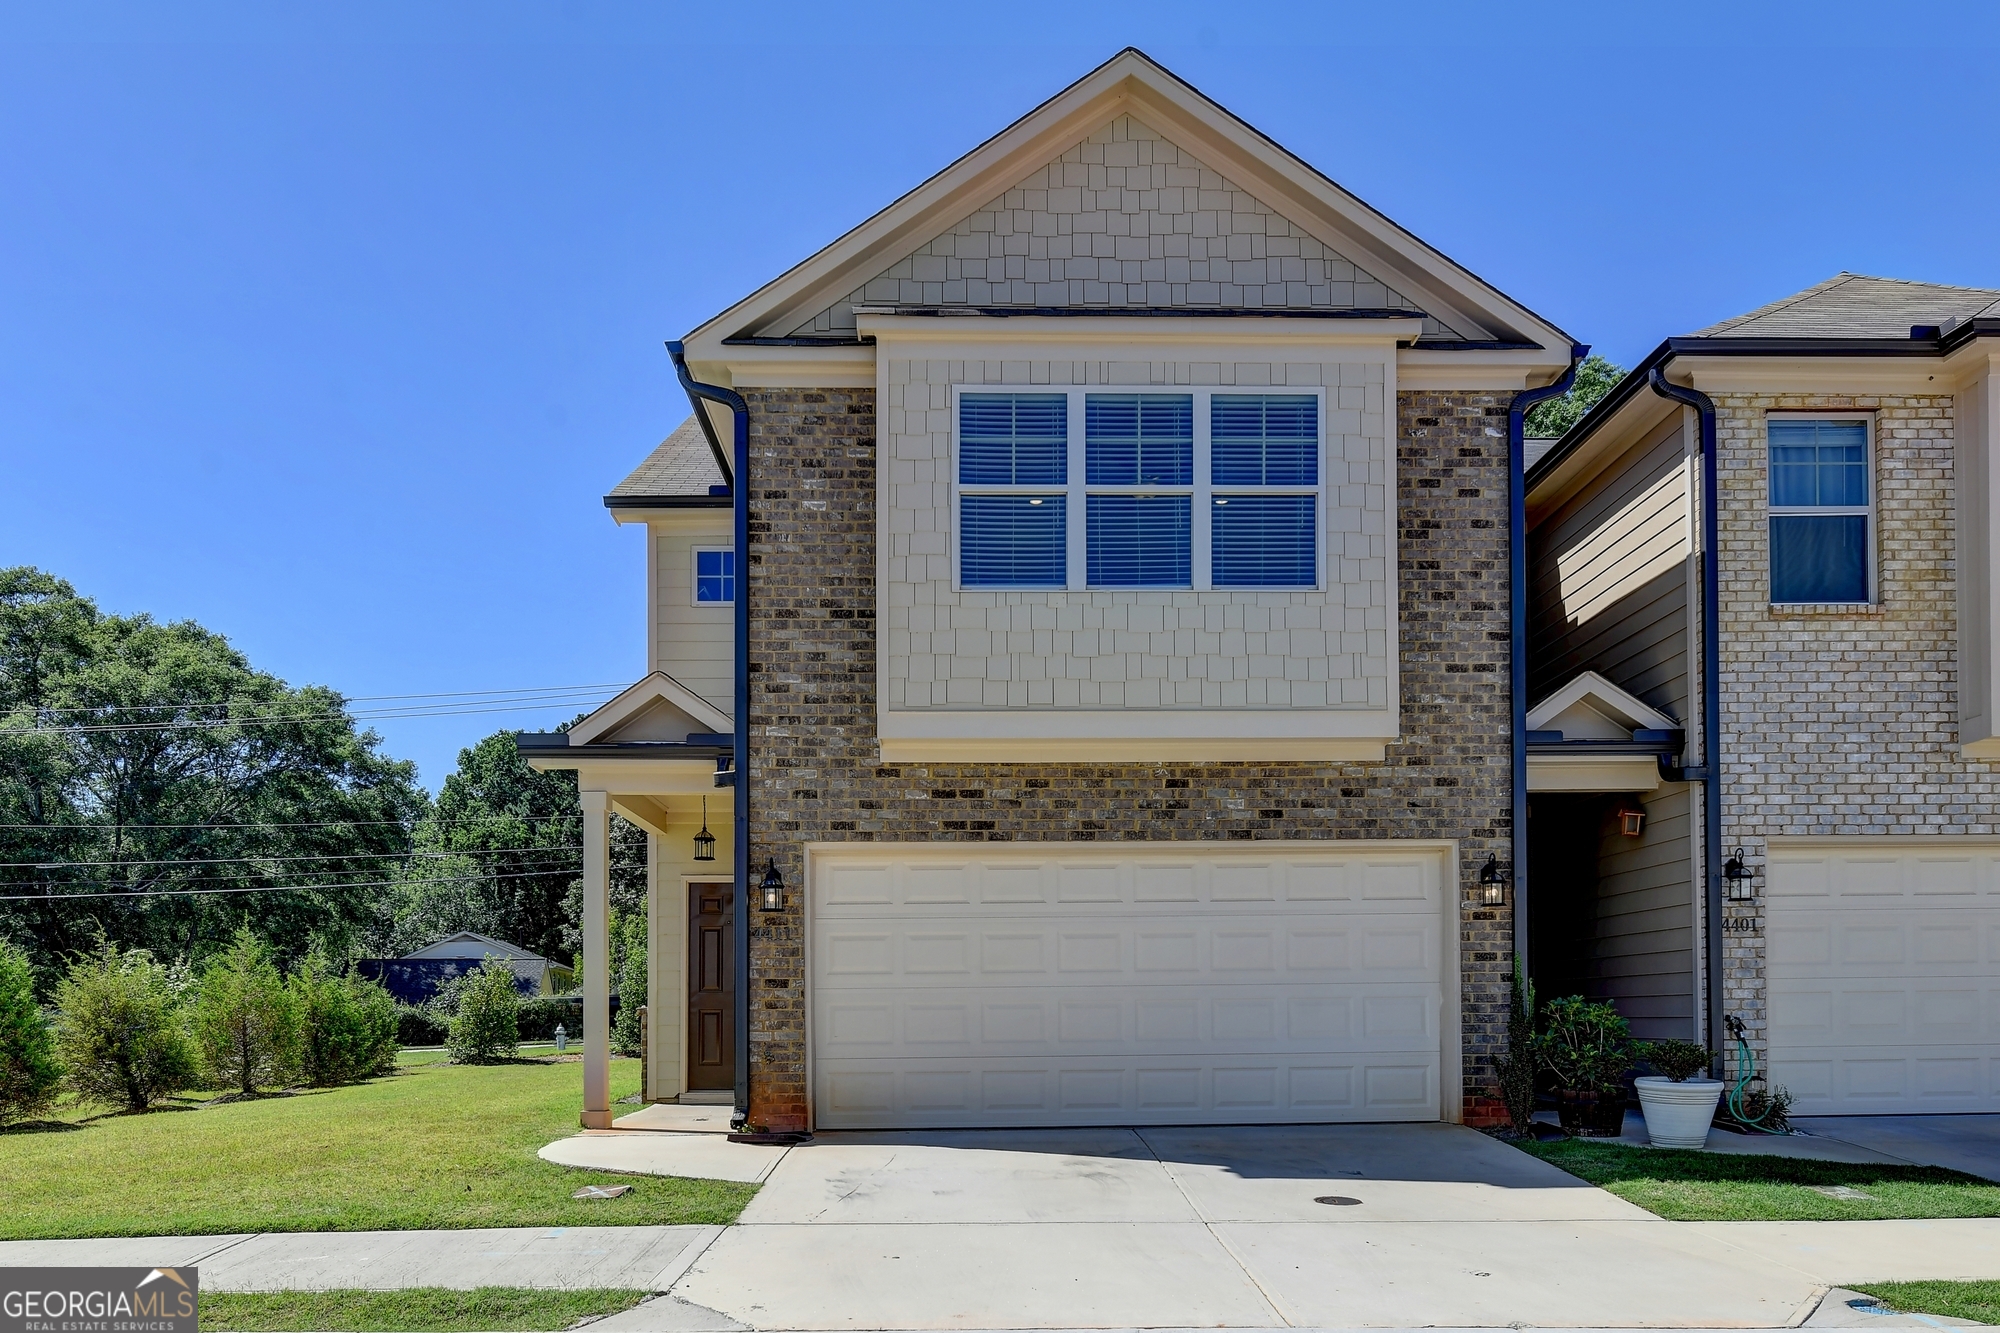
(1214, 649)
(815, 771)
(1124, 218)
(1840, 721)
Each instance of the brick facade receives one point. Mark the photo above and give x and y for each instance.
(1842, 720)
(815, 773)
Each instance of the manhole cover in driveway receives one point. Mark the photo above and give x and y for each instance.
(1338, 1200)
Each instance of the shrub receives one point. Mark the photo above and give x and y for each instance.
(347, 1025)
(540, 1015)
(626, 1033)
(1517, 1067)
(118, 1029)
(245, 1021)
(1585, 1044)
(30, 1074)
(486, 1028)
(1766, 1108)
(1677, 1060)
(420, 1025)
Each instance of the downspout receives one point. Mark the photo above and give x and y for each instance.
(1517, 613)
(1709, 773)
(740, 498)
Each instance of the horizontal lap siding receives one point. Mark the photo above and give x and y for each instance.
(1642, 950)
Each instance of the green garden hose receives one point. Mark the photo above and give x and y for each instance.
(1746, 1064)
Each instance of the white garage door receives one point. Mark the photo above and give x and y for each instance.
(1036, 985)
(1884, 972)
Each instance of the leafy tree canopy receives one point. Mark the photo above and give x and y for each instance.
(137, 757)
(1554, 416)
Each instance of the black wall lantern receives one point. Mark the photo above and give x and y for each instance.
(1493, 881)
(771, 889)
(704, 841)
(1738, 880)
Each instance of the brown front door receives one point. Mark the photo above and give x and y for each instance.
(711, 988)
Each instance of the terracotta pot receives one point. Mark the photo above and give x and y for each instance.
(1678, 1114)
(1591, 1115)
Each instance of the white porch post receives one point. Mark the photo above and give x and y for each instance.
(596, 960)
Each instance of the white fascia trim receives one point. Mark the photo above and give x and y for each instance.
(694, 520)
(789, 367)
(1116, 335)
(1609, 698)
(1593, 772)
(1495, 370)
(1817, 374)
(1134, 735)
(636, 698)
(635, 776)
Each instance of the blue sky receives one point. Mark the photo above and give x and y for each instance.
(330, 330)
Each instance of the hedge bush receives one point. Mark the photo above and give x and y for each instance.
(30, 1074)
(347, 1024)
(486, 1029)
(119, 1031)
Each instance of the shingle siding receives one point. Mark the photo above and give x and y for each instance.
(815, 774)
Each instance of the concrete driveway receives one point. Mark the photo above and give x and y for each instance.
(1214, 1227)
(1968, 1143)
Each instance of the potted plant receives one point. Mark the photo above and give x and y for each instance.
(1586, 1046)
(1679, 1101)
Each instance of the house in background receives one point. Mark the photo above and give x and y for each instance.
(1128, 644)
(415, 978)
(1769, 788)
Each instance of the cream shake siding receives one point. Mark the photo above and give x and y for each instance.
(693, 644)
(1608, 579)
(946, 649)
(1641, 953)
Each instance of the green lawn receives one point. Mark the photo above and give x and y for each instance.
(433, 1145)
(417, 1310)
(1717, 1187)
(1954, 1300)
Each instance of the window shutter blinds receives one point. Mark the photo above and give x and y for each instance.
(1012, 541)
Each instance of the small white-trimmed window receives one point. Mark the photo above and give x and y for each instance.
(1822, 510)
(714, 576)
(1139, 488)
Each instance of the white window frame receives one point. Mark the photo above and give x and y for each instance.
(1075, 492)
(694, 574)
(1867, 511)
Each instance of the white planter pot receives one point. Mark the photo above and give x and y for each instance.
(1678, 1114)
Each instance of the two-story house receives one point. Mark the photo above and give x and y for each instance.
(1105, 549)
(1762, 746)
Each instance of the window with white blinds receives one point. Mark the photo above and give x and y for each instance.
(1109, 488)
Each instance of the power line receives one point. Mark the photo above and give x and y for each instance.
(221, 723)
(494, 695)
(310, 823)
(264, 888)
(301, 856)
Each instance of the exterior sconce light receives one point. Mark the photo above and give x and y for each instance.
(704, 841)
(1493, 881)
(771, 889)
(1631, 821)
(1738, 879)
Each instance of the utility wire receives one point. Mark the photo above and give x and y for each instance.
(264, 888)
(275, 720)
(311, 823)
(536, 691)
(283, 856)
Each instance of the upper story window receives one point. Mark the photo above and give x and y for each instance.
(1821, 510)
(1084, 489)
(714, 576)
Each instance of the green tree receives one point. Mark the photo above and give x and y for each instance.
(500, 854)
(118, 1028)
(244, 1020)
(30, 1074)
(347, 1024)
(140, 758)
(487, 1027)
(629, 966)
(1552, 417)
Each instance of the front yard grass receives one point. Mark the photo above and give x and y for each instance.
(1954, 1300)
(414, 1310)
(1687, 1186)
(432, 1145)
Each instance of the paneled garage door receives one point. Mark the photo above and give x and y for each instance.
(1035, 985)
(1884, 971)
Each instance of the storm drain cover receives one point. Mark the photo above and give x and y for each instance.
(1338, 1200)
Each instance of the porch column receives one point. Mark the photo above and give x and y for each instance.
(596, 960)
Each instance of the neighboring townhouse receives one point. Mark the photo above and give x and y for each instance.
(1782, 736)
(1127, 622)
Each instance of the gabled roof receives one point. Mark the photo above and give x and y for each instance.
(1232, 170)
(657, 708)
(1853, 305)
(471, 944)
(1592, 708)
(682, 469)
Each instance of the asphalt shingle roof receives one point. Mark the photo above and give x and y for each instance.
(1851, 305)
(682, 465)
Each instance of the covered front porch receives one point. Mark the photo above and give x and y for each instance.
(651, 756)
